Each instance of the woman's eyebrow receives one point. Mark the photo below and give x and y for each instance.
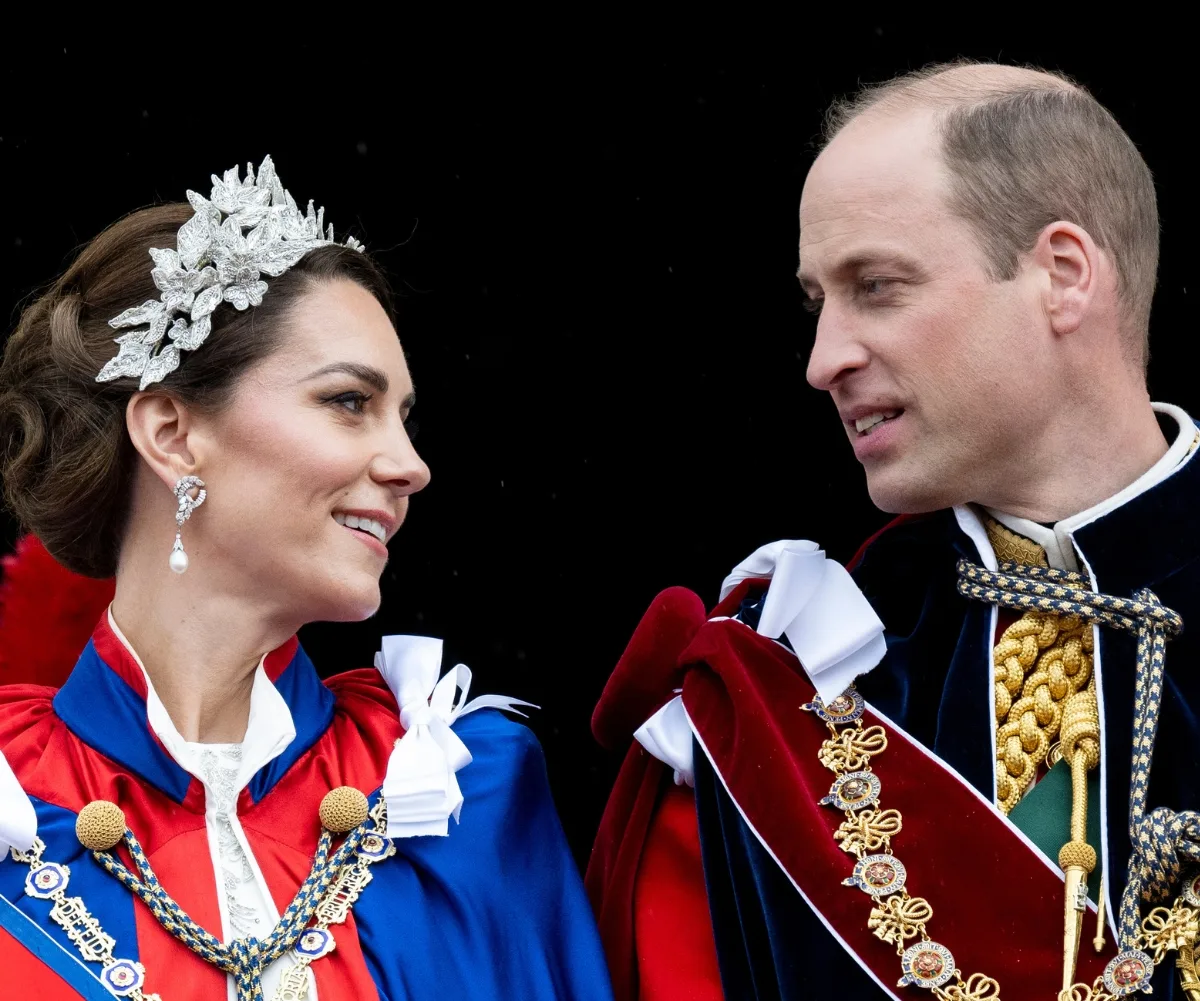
(373, 377)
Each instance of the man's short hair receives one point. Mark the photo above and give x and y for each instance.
(1026, 148)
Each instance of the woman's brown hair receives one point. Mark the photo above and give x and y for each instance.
(66, 460)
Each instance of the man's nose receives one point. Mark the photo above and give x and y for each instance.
(836, 351)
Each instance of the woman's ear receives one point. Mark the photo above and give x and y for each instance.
(159, 426)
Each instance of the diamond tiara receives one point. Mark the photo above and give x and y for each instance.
(215, 262)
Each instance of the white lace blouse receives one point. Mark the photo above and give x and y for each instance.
(247, 909)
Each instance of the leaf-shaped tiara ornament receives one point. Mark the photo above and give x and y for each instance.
(245, 229)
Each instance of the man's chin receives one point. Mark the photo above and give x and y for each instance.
(900, 494)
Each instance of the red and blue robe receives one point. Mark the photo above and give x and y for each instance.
(496, 910)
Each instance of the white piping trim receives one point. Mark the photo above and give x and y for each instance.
(767, 848)
(1105, 870)
(1058, 540)
(972, 525)
(1177, 456)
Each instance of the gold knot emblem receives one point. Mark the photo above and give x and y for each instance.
(852, 749)
(868, 831)
(899, 918)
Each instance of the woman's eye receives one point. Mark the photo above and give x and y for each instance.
(353, 401)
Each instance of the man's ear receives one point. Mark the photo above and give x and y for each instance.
(1070, 259)
(159, 426)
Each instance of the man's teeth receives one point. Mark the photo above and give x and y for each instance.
(868, 422)
(363, 524)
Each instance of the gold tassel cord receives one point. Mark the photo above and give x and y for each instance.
(1081, 748)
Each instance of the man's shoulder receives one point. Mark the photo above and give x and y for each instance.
(905, 537)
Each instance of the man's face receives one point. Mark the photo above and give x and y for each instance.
(933, 366)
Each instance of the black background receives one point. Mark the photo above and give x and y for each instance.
(595, 239)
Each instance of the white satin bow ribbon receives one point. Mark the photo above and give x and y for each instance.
(831, 626)
(667, 735)
(421, 789)
(18, 822)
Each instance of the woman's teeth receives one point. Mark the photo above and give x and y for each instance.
(864, 424)
(362, 524)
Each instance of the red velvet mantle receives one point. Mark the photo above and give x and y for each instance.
(997, 903)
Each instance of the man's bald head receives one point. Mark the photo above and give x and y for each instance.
(1025, 148)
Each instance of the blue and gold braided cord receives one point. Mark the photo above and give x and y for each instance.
(243, 959)
(1162, 837)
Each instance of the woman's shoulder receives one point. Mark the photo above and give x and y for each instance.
(368, 713)
(364, 695)
(24, 709)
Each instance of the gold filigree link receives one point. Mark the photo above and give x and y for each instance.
(335, 907)
(80, 925)
(852, 749)
(896, 917)
(868, 831)
(1168, 929)
(976, 987)
(1163, 930)
(1189, 975)
(1082, 992)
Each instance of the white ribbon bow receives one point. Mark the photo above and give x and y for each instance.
(831, 626)
(421, 789)
(667, 735)
(18, 822)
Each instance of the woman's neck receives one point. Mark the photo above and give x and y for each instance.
(200, 648)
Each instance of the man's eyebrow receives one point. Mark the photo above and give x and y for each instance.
(373, 377)
(857, 262)
(807, 283)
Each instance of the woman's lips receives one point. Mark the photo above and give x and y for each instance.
(368, 540)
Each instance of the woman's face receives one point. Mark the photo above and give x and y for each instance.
(312, 444)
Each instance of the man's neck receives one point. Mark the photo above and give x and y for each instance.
(1077, 468)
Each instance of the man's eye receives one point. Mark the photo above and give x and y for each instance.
(874, 286)
(353, 401)
(813, 306)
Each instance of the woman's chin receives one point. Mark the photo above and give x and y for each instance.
(352, 604)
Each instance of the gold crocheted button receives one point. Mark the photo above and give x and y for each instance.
(343, 809)
(1078, 853)
(100, 825)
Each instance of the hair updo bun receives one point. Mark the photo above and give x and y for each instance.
(66, 459)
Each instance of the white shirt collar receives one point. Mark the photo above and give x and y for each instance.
(269, 729)
(1058, 540)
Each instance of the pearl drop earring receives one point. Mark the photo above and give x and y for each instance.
(187, 504)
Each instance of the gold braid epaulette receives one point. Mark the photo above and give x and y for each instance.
(867, 833)
(1041, 661)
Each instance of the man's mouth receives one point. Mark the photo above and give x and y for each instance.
(367, 525)
(864, 425)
